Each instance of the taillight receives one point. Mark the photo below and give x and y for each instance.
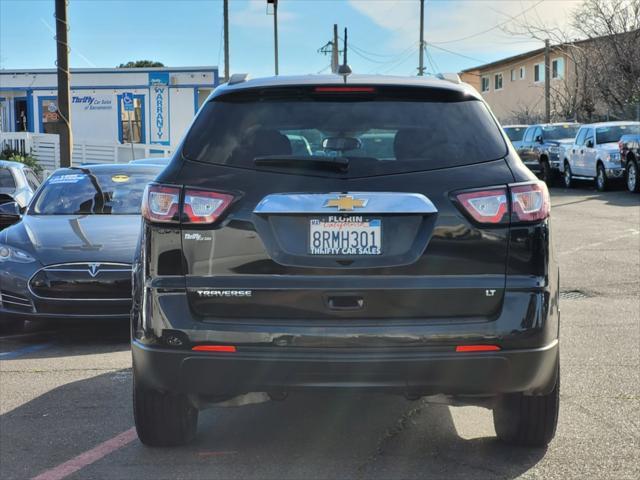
(527, 202)
(201, 206)
(485, 206)
(161, 204)
(530, 202)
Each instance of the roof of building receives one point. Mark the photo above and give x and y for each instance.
(22, 71)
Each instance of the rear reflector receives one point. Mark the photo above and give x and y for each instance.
(485, 206)
(161, 203)
(530, 202)
(214, 348)
(477, 348)
(202, 206)
(345, 90)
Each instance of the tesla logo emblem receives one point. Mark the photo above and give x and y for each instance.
(346, 203)
(94, 269)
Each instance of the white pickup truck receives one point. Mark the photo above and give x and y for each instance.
(595, 153)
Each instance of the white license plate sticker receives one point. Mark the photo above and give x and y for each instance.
(345, 236)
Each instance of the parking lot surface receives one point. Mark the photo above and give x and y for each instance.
(65, 394)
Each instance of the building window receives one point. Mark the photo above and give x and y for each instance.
(134, 118)
(513, 74)
(485, 84)
(497, 81)
(49, 116)
(522, 73)
(538, 72)
(557, 68)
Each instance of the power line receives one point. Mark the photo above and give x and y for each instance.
(456, 53)
(499, 25)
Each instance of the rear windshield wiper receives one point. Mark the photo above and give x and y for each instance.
(340, 164)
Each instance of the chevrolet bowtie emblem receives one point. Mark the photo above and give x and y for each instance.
(346, 203)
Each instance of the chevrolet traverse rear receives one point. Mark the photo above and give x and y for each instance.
(373, 233)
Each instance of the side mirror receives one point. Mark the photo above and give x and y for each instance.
(589, 143)
(539, 139)
(10, 213)
(341, 143)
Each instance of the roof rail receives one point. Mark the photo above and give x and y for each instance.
(449, 77)
(238, 78)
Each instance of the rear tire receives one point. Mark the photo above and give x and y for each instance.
(567, 177)
(527, 420)
(602, 183)
(633, 185)
(163, 419)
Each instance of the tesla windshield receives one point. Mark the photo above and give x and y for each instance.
(85, 192)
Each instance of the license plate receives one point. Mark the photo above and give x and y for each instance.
(345, 236)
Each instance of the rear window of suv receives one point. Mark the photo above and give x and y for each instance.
(385, 131)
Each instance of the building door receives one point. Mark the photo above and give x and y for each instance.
(21, 114)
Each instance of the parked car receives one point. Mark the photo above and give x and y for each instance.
(151, 161)
(630, 157)
(541, 146)
(515, 134)
(595, 153)
(69, 257)
(18, 182)
(430, 272)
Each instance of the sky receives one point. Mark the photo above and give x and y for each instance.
(383, 34)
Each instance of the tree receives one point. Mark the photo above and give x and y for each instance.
(141, 64)
(602, 47)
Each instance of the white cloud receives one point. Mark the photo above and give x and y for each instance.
(255, 15)
(457, 20)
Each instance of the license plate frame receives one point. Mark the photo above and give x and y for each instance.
(356, 228)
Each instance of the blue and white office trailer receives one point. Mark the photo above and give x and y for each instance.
(164, 100)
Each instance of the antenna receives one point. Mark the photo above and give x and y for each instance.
(344, 69)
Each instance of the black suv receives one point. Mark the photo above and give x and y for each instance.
(408, 250)
(541, 148)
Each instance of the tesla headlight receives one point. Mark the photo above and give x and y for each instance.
(12, 254)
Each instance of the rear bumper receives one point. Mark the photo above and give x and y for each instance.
(414, 371)
(9, 315)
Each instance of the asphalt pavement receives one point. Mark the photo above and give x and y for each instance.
(65, 395)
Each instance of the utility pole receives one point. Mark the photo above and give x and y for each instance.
(421, 51)
(225, 13)
(275, 30)
(64, 106)
(335, 60)
(547, 82)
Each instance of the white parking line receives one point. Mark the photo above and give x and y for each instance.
(630, 233)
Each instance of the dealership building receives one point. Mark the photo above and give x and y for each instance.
(164, 102)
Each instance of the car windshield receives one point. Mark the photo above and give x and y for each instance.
(558, 132)
(515, 134)
(378, 136)
(613, 133)
(84, 192)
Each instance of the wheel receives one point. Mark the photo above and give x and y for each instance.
(546, 172)
(163, 419)
(632, 176)
(567, 177)
(528, 420)
(601, 179)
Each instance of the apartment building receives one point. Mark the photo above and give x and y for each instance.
(514, 86)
